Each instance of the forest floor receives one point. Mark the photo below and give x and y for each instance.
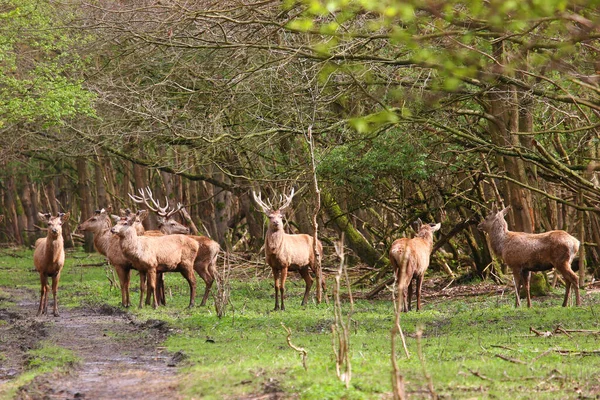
(117, 356)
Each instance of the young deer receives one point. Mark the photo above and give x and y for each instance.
(410, 259)
(285, 252)
(152, 254)
(206, 259)
(49, 258)
(526, 252)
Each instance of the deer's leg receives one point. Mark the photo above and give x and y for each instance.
(517, 279)
(188, 274)
(55, 280)
(122, 274)
(43, 293)
(526, 283)
(208, 279)
(149, 293)
(151, 281)
(419, 285)
(410, 293)
(284, 272)
(160, 289)
(308, 280)
(276, 274)
(571, 279)
(142, 288)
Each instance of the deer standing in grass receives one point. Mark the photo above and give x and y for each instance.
(152, 254)
(205, 263)
(49, 258)
(108, 245)
(410, 259)
(526, 252)
(285, 252)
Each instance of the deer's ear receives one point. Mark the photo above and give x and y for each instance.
(435, 227)
(418, 224)
(43, 217)
(505, 211)
(65, 217)
(142, 214)
(115, 217)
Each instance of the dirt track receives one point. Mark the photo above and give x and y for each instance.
(120, 357)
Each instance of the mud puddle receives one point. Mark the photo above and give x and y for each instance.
(120, 358)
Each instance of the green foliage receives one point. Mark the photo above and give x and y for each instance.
(361, 163)
(39, 68)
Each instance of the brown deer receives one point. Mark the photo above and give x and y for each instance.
(108, 245)
(49, 258)
(285, 252)
(410, 259)
(152, 254)
(206, 259)
(526, 252)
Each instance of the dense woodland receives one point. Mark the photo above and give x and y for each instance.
(403, 109)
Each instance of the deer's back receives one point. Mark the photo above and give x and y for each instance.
(208, 248)
(538, 248)
(417, 250)
(171, 250)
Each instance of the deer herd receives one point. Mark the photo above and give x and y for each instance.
(128, 246)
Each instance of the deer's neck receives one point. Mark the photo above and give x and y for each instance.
(275, 238)
(102, 240)
(54, 248)
(427, 238)
(498, 236)
(130, 243)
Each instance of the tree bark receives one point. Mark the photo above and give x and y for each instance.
(83, 189)
(356, 241)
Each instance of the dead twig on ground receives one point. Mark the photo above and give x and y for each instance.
(301, 350)
(512, 360)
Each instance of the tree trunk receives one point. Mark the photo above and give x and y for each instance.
(101, 196)
(28, 210)
(83, 189)
(356, 241)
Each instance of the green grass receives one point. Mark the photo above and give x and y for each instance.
(463, 341)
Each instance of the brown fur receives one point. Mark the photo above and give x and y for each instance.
(153, 254)
(205, 264)
(108, 245)
(285, 252)
(410, 260)
(49, 259)
(526, 252)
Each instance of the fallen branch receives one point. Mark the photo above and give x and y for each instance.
(539, 333)
(512, 360)
(480, 376)
(300, 350)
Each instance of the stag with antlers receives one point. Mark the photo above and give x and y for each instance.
(205, 263)
(286, 252)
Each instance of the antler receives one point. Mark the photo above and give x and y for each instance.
(266, 207)
(288, 200)
(161, 211)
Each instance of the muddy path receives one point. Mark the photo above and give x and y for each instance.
(120, 358)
